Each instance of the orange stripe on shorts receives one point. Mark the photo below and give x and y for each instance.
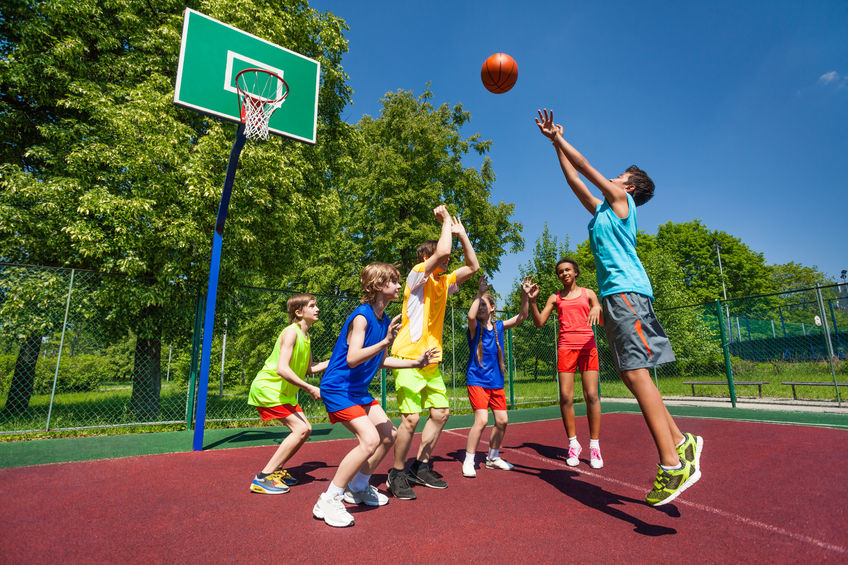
(638, 326)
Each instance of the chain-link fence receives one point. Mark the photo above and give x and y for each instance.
(74, 355)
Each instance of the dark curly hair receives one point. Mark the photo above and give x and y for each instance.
(643, 185)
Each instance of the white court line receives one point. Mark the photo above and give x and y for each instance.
(723, 513)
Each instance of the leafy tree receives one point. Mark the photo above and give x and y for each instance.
(693, 246)
(792, 276)
(101, 170)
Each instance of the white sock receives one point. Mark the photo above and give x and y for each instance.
(333, 490)
(359, 482)
(672, 467)
(572, 442)
(682, 441)
(594, 443)
(469, 458)
(493, 453)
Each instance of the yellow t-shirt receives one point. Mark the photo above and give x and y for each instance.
(424, 301)
(269, 389)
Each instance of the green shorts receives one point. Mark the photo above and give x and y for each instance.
(420, 389)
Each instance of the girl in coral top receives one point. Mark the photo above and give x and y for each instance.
(578, 309)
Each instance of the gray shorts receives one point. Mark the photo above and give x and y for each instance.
(636, 338)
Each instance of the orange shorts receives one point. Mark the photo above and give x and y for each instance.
(278, 412)
(349, 413)
(570, 360)
(483, 398)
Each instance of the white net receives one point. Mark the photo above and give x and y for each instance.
(257, 113)
(260, 94)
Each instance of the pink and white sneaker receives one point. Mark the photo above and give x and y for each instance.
(573, 454)
(595, 459)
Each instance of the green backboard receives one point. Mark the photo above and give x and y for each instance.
(211, 55)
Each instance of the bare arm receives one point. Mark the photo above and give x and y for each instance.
(443, 246)
(426, 358)
(471, 264)
(482, 286)
(595, 311)
(525, 305)
(316, 367)
(284, 369)
(539, 318)
(357, 353)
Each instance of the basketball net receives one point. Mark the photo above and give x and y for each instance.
(260, 94)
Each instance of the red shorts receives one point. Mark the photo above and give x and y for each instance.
(349, 413)
(569, 360)
(280, 412)
(483, 398)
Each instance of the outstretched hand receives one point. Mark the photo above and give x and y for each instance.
(394, 328)
(483, 284)
(546, 124)
(527, 285)
(441, 213)
(430, 356)
(456, 227)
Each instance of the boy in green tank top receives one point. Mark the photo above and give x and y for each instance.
(274, 391)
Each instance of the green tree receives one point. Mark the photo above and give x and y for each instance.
(101, 170)
(792, 276)
(693, 247)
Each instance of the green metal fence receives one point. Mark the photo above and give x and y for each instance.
(71, 359)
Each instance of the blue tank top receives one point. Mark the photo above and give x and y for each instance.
(489, 375)
(613, 242)
(343, 386)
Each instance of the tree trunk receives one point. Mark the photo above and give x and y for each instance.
(147, 378)
(23, 379)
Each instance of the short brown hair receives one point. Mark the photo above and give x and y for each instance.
(295, 303)
(373, 277)
(643, 186)
(426, 249)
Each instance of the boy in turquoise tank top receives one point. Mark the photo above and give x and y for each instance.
(274, 391)
(636, 338)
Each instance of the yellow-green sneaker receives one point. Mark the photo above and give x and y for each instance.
(671, 482)
(690, 449)
(283, 476)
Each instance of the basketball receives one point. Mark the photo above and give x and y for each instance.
(499, 73)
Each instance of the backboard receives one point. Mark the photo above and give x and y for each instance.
(211, 55)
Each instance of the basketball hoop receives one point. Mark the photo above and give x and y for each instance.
(260, 93)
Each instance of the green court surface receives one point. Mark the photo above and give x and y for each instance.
(44, 451)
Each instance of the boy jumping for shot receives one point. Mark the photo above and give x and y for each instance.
(274, 391)
(637, 340)
(425, 297)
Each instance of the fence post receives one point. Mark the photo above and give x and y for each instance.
(383, 389)
(196, 336)
(829, 343)
(59, 356)
(728, 367)
(511, 369)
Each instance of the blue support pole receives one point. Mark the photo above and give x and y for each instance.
(212, 289)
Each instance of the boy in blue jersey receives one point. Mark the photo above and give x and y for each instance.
(637, 340)
(359, 351)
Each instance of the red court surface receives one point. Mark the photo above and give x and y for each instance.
(769, 493)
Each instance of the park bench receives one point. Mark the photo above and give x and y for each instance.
(793, 384)
(759, 384)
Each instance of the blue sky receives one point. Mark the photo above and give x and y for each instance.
(738, 110)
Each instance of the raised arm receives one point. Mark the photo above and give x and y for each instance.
(553, 132)
(471, 264)
(482, 286)
(443, 246)
(285, 371)
(614, 193)
(539, 318)
(526, 285)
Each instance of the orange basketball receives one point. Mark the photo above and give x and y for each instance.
(499, 73)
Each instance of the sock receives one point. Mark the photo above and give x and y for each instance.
(469, 458)
(682, 441)
(572, 442)
(334, 491)
(493, 453)
(416, 465)
(672, 467)
(359, 482)
(261, 476)
(594, 443)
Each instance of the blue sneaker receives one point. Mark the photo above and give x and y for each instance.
(268, 486)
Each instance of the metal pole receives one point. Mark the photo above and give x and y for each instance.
(728, 366)
(223, 356)
(723, 288)
(212, 289)
(168, 374)
(61, 345)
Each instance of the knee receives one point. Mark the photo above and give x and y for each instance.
(591, 398)
(566, 400)
(303, 432)
(501, 422)
(409, 422)
(388, 434)
(440, 415)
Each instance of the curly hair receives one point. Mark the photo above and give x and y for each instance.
(642, 183)
(373, 277)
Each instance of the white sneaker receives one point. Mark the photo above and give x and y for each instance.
(498, 463)
(468, 469)
(332, 511)
(573, 455)
(595, 459)
(370, 497)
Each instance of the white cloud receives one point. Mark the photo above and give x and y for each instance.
(830, 77)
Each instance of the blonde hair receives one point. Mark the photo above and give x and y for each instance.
(295, 303)
(488, 298)
(373, 277)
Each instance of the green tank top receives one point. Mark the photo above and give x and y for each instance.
(270, 389)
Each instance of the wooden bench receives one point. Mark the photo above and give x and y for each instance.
(759, 384)
(793, 384)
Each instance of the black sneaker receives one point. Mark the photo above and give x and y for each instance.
(424, 475)
(398, 484)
